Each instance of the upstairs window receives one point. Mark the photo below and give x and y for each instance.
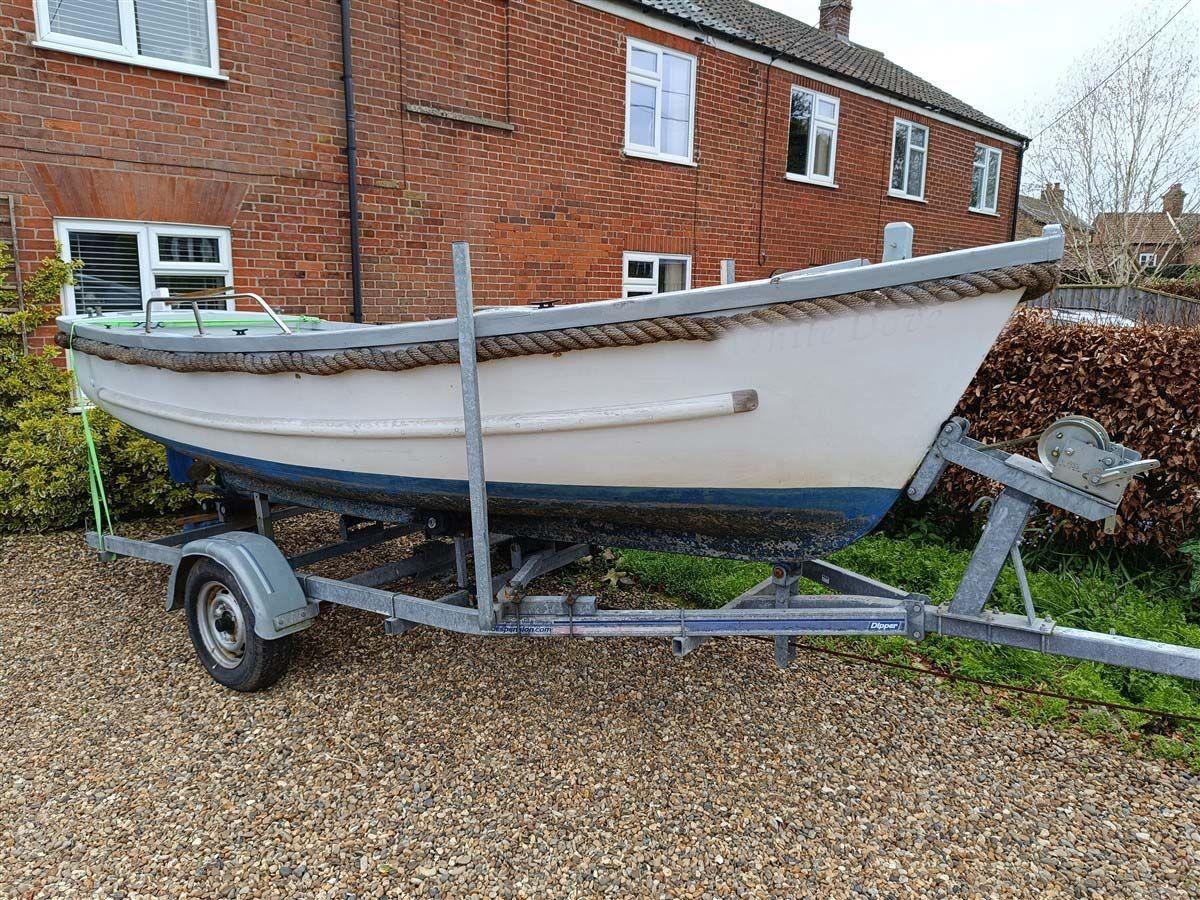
(1147, 260)
(180, 35)
(125, 262)
(985, 179)
(660, 95)
(812, 136)
(648, 273)
(910, 147)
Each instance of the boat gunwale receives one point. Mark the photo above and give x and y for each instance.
(713, 300)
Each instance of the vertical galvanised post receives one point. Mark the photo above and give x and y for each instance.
(262, 515)
(1005, 524)
(473, 431)
(784, 578)
(460, 561)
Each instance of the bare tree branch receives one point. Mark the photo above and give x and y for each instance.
(1118, 145)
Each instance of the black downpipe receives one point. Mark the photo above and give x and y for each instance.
(1017, 193)
(351, 164)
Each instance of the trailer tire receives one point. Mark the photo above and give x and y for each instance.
(221, 625)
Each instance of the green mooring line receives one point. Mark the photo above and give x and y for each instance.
(95, 478)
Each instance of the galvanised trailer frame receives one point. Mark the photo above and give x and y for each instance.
(245, 597)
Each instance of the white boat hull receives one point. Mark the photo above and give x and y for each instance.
(778, 443)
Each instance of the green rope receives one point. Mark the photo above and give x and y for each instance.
(95, 477)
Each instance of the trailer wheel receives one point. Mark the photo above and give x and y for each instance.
(221, 624)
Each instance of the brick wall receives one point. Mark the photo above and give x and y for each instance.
(549, 205)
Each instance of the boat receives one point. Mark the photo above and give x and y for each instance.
(775, 419)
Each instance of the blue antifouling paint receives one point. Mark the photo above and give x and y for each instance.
(178, 465)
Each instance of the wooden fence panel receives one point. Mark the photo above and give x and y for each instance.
(1138, 304)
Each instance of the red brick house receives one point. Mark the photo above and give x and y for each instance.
(585, 147)
(1153, 241)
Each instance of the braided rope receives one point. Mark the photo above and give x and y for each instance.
(1037, 279)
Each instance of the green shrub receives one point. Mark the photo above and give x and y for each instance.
(43, 452)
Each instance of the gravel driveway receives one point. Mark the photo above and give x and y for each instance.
(440, 765)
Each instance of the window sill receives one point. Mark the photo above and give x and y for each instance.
(657, 157)
(983, 212)
(146, 62)
(804, 179)
(909, 197)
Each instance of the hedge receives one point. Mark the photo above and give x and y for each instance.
(1181, 287)
(43, 455)
(1142, 384)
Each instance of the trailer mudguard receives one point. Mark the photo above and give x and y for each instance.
(263, 575)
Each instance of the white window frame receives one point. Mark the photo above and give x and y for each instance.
(903, 194)
(989, 152)
(654, 79)
(650, 285)
(127, 50)
(816, 119)
(148, 262)
(1145, 260)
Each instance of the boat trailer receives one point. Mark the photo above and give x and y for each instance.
(245, 597)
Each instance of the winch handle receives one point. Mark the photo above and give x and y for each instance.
(1126, 470)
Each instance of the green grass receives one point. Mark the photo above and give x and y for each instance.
(1074, 590)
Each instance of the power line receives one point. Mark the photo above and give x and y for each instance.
(1119, 67)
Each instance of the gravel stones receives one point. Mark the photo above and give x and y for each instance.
(436, 765)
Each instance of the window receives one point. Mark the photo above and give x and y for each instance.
(910, 146)
(660, 92)
(125, 262)
(180, 35)
(646, 273)
(985, 179)
(812, 136)
(1147, 260)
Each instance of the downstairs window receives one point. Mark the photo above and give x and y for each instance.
(649, 273)
(125, 262)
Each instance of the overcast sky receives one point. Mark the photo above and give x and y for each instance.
(1001, 56)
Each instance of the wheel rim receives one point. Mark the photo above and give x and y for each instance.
(222, 625)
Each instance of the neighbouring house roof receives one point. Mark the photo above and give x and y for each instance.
(1158, 228)
(1044, 212)
(784, 36)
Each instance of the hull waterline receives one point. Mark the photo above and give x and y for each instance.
(746, 523)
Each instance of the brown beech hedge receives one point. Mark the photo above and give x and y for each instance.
(1142, 384)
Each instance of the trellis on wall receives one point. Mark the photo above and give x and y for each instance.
(10, 276)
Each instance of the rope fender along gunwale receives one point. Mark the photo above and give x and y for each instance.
(1036, 278)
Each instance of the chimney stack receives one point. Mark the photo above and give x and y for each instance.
(1173, 200)
(835, 18)
(1055, 196)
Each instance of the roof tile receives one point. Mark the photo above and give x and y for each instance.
(780, 34)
